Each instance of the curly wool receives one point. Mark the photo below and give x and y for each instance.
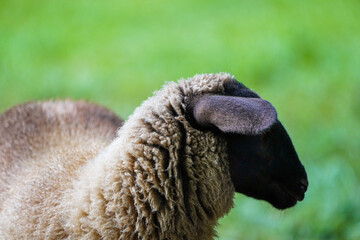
(159, 179)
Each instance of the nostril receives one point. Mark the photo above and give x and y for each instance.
(304, 184)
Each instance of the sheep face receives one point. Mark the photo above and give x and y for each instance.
(263, 162)
(266, 167)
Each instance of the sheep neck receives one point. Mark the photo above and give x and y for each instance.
(160, 178)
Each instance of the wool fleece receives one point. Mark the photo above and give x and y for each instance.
(160, 178)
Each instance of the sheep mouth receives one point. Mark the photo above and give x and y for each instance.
(286, 196)
(298, 196)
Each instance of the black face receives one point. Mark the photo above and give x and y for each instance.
(263, 162)
(266, 167)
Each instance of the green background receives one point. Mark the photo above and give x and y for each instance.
(303, 56)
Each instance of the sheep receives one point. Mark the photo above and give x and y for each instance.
(170, 172)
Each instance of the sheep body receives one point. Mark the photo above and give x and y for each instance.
(162, 177)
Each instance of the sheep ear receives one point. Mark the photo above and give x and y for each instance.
(240, 115)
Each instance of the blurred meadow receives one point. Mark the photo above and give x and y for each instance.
(303, 56)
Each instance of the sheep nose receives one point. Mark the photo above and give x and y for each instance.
(304, 184)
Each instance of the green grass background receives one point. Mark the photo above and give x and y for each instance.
(303, 56)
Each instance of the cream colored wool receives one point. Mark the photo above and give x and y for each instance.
(159, 179)
(41, 147)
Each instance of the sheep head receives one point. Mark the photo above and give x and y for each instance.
(262, 159)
